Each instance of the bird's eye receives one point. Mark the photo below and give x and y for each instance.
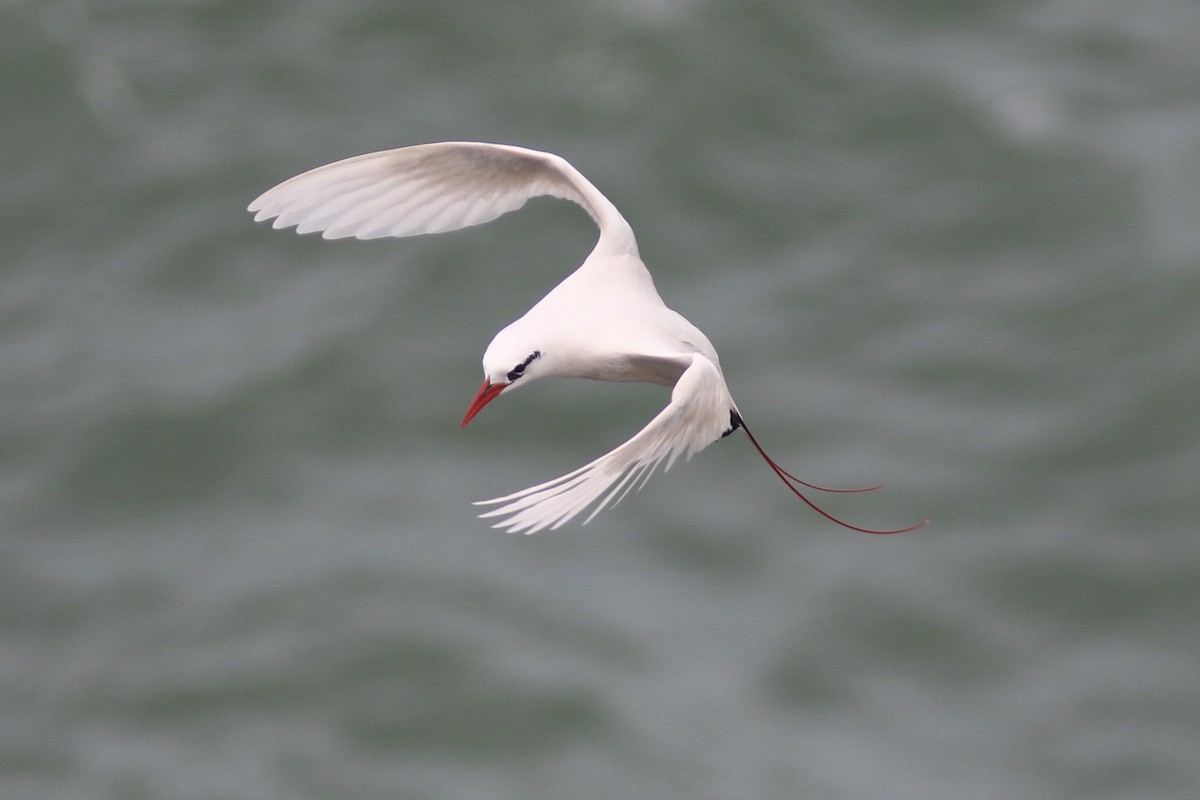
(519, 369)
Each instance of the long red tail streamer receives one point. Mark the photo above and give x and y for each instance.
(789, 479)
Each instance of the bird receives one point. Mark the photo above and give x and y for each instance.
(605, 321)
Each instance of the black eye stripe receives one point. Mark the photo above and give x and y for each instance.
(519, 369)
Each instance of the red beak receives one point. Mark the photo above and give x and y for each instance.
(486, 394)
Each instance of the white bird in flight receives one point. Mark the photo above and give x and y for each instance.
(605, 321)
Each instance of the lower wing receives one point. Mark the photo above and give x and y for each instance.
(697, 416)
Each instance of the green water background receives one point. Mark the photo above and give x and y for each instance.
(953, 247)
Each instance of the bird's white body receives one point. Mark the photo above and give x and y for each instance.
(605, 321)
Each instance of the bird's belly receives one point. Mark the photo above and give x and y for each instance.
(625, 368)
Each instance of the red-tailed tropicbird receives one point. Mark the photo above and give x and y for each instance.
(605, 321)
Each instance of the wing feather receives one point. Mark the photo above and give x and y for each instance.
(431, 188)
(697, 415)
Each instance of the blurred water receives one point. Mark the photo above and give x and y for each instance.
(949, 247)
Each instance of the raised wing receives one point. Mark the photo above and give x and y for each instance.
(698, 415)
(429, 188)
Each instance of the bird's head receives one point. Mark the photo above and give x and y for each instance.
(505, 363)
